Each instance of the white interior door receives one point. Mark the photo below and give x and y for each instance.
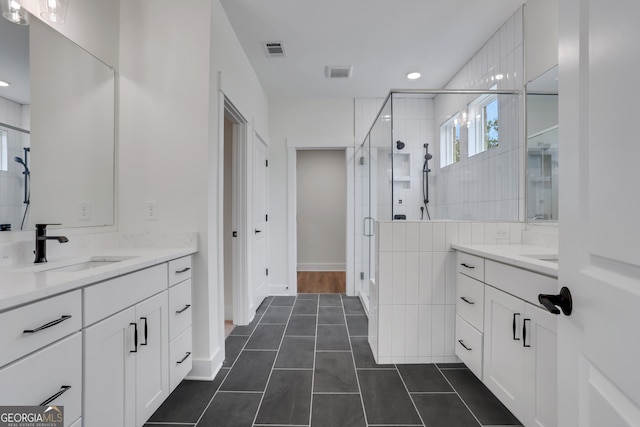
(260, 221)
(599, 343)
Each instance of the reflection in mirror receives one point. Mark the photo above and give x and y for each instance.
(542, 148)
(68, 107)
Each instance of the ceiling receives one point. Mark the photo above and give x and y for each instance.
(14, 61)
(382, 39)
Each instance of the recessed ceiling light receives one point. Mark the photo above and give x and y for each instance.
(414, 75)
(4, 84)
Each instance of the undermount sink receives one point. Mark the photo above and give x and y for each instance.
(79, 264)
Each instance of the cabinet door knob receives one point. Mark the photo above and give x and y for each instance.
(562, 300)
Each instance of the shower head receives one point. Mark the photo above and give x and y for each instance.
(425, 145)
(428, 156)
(399, 145)
(19, 160)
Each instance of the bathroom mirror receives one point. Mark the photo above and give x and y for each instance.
(69, 108)
(542, 148)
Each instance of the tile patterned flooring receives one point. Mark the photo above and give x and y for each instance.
(305, 361)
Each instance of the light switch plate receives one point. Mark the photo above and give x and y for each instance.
(151, 210)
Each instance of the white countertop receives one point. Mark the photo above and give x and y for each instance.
(524, 256)
(19, 285)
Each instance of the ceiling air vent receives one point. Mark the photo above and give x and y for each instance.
(338, 72)
(273, 49)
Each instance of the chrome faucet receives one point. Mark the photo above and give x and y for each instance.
(41, 242)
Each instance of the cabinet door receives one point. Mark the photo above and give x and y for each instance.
(503, 349)
(541, 341)
(152, 365)
(109, 376)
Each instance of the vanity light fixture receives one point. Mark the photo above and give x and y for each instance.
(54, 11)
(413, 75)
(13, 12)
(4, 84)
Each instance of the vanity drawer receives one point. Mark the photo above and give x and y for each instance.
(470, 301)
(109, 297)
(180, 358)
(39, 377)
(179, 309)
(471, 266)
(179, 270)
(469, 346)
(521, 283)
(49, 320)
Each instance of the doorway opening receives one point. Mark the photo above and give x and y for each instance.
(321, 212)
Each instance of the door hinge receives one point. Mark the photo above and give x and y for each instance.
(362, 275)
(266, 163)
(266, 218)
(235, 234)
(267, 271)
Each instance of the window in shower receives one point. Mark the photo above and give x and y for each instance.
(450, 141)
(484, 124)
(4, 163)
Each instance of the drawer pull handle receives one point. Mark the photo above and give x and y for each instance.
(514, 326)
(186, 356)
(467, 265)
(465, 347)
(524, 333)
(62, 390)
(184, 270)
(466, 300)
(47, 325)
(146, 330)
(135, 337)
(185, 308)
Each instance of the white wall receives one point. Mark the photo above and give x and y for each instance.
(327, 122)
(170, 149)
(321, 211)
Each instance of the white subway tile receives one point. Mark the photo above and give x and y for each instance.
(439, 237)
(384, 281)
(412, 321)
(385, 327)
(439, 278)
(452, 234)
(398, 330)
(413, 237)
(426, 236)
(449, 330)
(412, 278)
(385, 236)
(437, 330)
(477, 233)
(399, 277)
(399, 236)
(426, 277)
(424, 330)
(516, 232)
(490, 231)
(464, 232)
(451, 277)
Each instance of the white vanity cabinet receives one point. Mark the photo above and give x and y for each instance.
(126, 367)
(517, 337)
(180, 319)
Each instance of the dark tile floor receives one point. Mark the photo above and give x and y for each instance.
(305, 361)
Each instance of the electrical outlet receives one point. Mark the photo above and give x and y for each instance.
(503, 233)
(151, 210)
(84, 212)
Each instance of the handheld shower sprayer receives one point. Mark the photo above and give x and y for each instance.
(425, 182)
(19, 160)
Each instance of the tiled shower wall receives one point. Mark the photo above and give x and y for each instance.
(412, 302)
(12, 180)
(486, 186)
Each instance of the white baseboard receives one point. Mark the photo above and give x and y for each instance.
(322, 267)
(206, 369)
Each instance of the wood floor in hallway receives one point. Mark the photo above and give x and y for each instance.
(322, 282)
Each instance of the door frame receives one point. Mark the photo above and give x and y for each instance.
(294, 144)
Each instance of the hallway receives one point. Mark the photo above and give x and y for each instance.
(305, 361)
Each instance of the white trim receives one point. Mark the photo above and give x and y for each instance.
(294, 144)
(313, 266)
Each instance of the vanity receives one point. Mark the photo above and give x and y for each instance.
(503, 334)
(108, 337)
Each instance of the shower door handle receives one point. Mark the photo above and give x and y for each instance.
(366, 231)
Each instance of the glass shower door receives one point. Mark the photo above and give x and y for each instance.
(364, 227)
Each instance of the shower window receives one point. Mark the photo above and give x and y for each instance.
(483, 124)
(450, 141)
(4, 163)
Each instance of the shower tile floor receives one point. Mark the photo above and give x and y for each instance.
(306, 361)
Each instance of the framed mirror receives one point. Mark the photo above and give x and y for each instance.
(542, 148)
(57, 129)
